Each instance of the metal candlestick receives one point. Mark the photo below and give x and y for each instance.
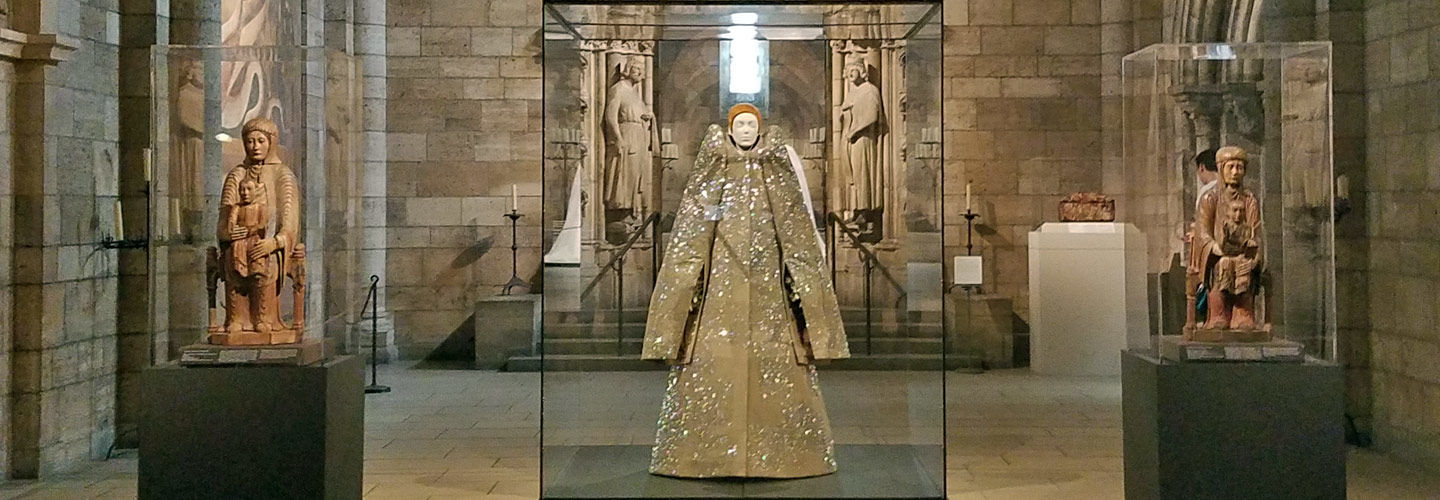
(969, 230)
(515, 281)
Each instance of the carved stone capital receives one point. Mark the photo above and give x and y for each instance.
(637, 47)
(44, 48)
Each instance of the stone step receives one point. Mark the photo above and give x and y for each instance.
(887, 362)
(631, 346)
(637, 330)
(638, 315)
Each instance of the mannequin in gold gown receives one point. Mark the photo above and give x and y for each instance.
(742, 309)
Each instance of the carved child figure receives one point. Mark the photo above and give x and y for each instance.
(1233, 269)
(252, 216)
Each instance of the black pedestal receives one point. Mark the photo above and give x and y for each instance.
(1232, 430)
(253, 431)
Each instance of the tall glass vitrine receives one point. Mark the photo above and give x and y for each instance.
(631, 91)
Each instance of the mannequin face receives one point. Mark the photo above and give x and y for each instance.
(745, 129)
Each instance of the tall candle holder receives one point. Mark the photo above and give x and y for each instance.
(969, 230)
(515, 281)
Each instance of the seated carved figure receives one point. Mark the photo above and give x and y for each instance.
(1229, 249)
(258, 246)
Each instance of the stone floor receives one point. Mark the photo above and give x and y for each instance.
(446, 433)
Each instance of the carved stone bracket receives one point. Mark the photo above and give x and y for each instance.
(49, 49)
(1245, 111)
(1203, 104)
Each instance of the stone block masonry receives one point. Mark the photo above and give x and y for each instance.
(64, 174)
(1023, 124)
(1402, 198)
(464, 112)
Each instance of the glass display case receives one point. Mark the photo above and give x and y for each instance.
(213, 216)
(1239, 261)
(819, 247)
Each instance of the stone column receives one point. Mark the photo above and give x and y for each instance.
(142, 25)
(370, 48)
(10, 45)
(64, 171)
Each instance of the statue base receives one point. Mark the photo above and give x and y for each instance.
(1201, 334)
(1175, 348)
(253, 338)
(295, 354)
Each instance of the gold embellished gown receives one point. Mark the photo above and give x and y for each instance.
(742, 308)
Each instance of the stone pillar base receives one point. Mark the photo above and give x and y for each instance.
(387, 351)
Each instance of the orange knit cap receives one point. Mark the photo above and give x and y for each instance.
(743, 107)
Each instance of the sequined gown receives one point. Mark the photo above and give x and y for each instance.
(742, 308)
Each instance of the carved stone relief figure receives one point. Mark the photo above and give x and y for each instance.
(862, 115)
(187, 146)
(627, 138)
(866, 158)
(629, 153)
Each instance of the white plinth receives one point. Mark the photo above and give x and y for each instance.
(1086, 297)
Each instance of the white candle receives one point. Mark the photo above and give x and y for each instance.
(119, 222)
(1342, 187)
(514, 198)
(665, 135)
(175, 215)
(147, 155)
(967, 196)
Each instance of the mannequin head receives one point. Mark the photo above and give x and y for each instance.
(745, 125)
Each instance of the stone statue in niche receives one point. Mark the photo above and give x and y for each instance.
(628, 125)
(187, 146)
(862, 117)
(1229, 251)
(258, 231)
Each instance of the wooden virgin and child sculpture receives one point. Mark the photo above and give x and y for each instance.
(258, 234)
(1226, 266)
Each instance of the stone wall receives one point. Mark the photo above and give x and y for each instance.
(464, 118)
(1402, 184)
(1343, 23)
(1023, 124)
(64, 172)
